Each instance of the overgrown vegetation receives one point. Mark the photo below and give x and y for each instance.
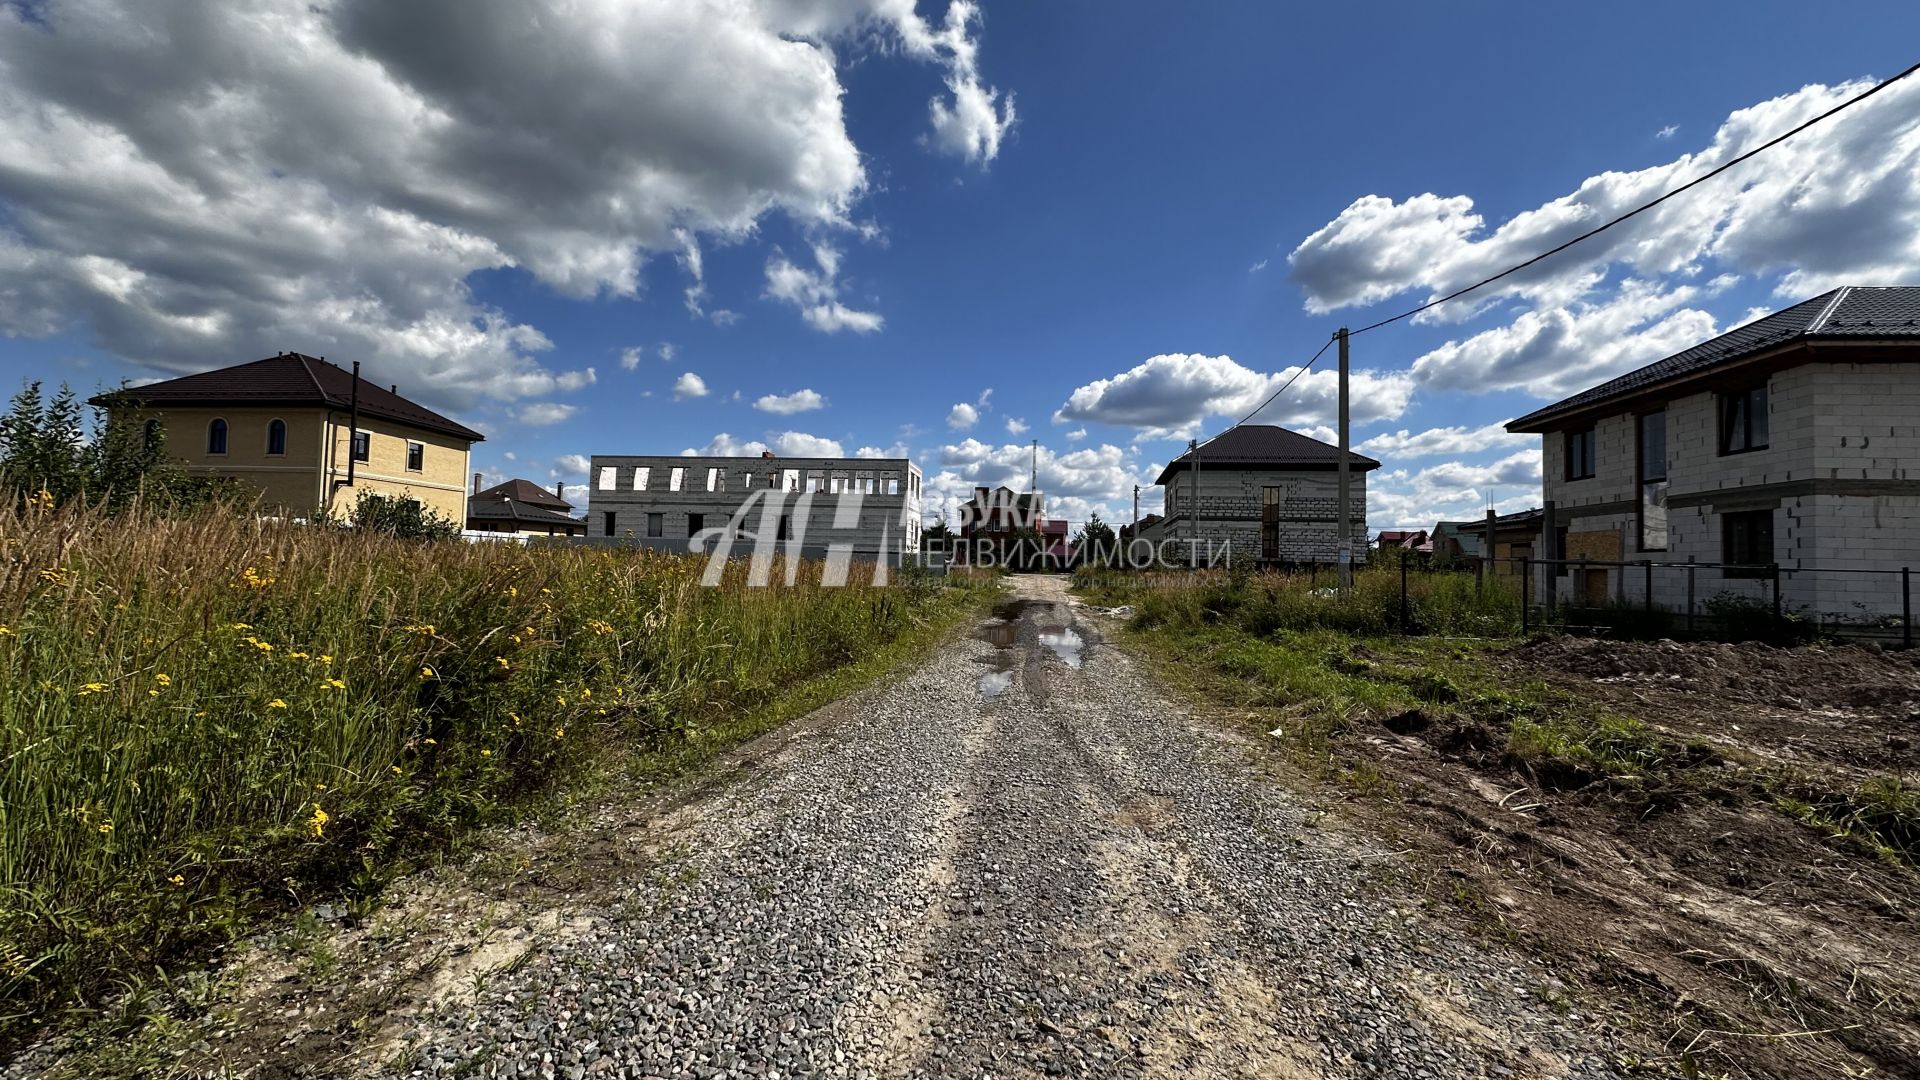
(49, 452)
(205, 715)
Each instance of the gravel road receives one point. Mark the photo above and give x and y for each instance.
(1019, 859)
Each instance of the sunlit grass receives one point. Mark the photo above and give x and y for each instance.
(204, 714)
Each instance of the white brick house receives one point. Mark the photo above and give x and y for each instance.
(1793, 440)
(1265, 493)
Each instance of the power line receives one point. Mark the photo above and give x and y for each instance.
(1283, 387)
(1695, 182)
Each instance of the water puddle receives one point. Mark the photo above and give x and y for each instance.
(1000, 634)
(995, 683)
(1065, 643)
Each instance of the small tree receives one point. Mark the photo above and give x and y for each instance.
(1096, 543)
(44, 446)
(398, 515)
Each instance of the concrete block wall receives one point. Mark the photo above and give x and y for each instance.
(1232, 500)
(630, 487)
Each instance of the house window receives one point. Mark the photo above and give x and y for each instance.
(217, 436)
(656, 524)
(1746, 540)
(640, 477)
(785, 529)
(606, 520)
(716, 479)
(1743, 420)
(1580, 454)
(695, 523)
(1653, 481)
(606, 477)
(362, 445)
(676, 478)
(276, 437)
(416, 457)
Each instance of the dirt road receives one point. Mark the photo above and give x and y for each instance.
(1018, 860)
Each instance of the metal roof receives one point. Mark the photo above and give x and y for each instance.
(1253, 446)
(523, 491)
(290, 379)
(1850, 313)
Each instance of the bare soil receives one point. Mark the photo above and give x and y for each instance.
(1778, 948)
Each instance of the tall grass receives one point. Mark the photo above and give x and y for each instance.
(205, 714)
(1263, 602)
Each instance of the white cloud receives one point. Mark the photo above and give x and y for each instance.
(667, 350)
(1836, 204)
(1091, 480)
(817, 292)
(787, 404)
(801, 444)
(1555, 351)
(542, 413)
(1445, 440)
(1453, 490)
(1171, 396)
(630, 357)
(1667, 132)
(897, 450)
(1254, 269)
(329, 175)
(725, 445)
(1076, 434)
(689, 385)
(568, 466)
(962, 416)
(1016, 427)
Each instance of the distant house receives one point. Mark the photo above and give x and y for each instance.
(1408, 539)
(1268, 493)
(1793, 440)
(996, 518)
(309, 435)
(522, 508)
(1514, 538)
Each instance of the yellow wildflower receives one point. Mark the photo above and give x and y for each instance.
(178, 880)
(326, 658)
(253, 579)
(395, 768)
(427, 672)
(559, 733)
(561, 699)
(423, 629)
(502, 661)
(4, 632)
(163, 678)
(585, 693)
(153, 693)
(513, 590)
(317, 824)
(105, 826)
(296, 656)
(90, 688)
(276, 703)
(486, 753)
(600, 626)
(334, 684)
(430, 741)
(239, 626)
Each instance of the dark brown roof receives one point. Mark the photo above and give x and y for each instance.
(513, 510)
(523, 491)
(1852, 313)
(290, 379)
(1265, 446)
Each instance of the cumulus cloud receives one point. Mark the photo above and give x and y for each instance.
(1090, 480)
(787, 404)
(1667, 132)
(689, 385)
(542, 413)
(1016, 427)
(1443, 440)
(1837, 204)
(817, 292)
(897, 450)
(328, 174)
(725, 445)
(1076, 434)
(630, 357)
(801, 444)
(1171, 395)
(1453, 490)
(962, 416)
(569, 466)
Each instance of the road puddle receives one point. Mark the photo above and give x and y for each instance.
(1065, 643)
(995, 683)
(1000, 634)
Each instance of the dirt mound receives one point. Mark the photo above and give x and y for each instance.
(1846, 676)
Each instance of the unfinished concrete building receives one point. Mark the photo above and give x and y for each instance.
(1265, 493)
(870, 505)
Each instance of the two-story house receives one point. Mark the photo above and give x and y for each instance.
(308, 435)
(1791, 441)
(1265, 493)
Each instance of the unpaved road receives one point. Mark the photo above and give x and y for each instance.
(1004, 864)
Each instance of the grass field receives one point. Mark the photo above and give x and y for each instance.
(207, 717)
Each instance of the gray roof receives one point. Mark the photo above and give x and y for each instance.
(512, 510)
(1851, 313)
(1260, 446)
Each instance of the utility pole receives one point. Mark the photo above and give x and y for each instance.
(1136, 509)
(1033, 468)
(1343, 497)
(1193, 510)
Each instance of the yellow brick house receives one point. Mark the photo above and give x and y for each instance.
(308, 435)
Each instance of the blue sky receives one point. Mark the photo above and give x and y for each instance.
(862, 223)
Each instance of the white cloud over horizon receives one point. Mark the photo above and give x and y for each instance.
(1172, 395)
(787, 404)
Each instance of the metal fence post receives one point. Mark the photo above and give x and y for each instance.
(1649, 565)
(1774, 568)
(1906, 607)
(1526, 596)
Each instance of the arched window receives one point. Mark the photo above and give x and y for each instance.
(276, 436)
(217, 436)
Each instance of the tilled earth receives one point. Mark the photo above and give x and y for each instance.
(1018, 859)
